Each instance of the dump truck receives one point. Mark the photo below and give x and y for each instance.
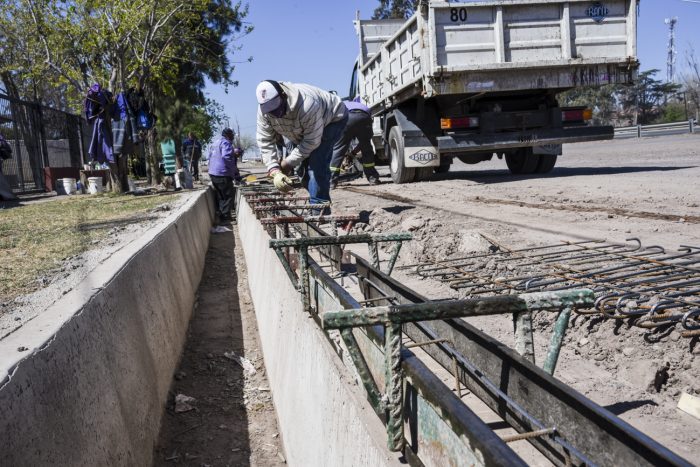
(470, 80)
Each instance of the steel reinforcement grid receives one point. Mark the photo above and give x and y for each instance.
(375, 323)
(649, 286)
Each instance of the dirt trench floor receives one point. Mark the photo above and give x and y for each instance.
(231, 421)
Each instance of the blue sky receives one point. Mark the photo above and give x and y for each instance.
(314, 42)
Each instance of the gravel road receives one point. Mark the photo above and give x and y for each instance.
(610, 190)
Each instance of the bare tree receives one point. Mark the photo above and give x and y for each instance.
(691, 81)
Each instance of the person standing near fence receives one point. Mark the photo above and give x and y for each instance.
(5, 153)
(192, 150)
(223, 171)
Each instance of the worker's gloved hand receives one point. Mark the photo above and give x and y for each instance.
(286, 167)
(281, 181)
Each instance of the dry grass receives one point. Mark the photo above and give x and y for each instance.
(35, 238)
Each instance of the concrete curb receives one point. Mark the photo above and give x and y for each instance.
(92, 387)
(323, 416)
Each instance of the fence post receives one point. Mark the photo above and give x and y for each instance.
(639, 131)
(691, 125)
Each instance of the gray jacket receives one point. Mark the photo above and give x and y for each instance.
(310, 110)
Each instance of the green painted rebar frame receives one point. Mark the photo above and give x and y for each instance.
(302, 245)
(505, 304)
(390, 404)
(392, 318)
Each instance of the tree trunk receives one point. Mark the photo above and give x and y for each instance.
(154, 177)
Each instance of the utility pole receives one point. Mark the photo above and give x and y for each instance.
(671, 58)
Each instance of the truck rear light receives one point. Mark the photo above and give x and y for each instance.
(576, 115)
(459, 122)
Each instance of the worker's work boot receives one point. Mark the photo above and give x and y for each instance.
(372, 176)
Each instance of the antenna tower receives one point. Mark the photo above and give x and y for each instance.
(671, 58)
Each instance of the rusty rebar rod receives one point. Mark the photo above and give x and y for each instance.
(304, 219)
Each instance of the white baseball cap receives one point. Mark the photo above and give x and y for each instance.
(268, 96)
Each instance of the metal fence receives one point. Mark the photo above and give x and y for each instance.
(640, 131)
(40, 137)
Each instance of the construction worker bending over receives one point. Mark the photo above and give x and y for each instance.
(309, 117)
(359, 126)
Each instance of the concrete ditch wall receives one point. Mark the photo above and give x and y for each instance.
(92, 386)
(323, 416)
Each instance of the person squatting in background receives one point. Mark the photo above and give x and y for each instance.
(309, 117)
(192, 151)
(223, 171)
(359, 126)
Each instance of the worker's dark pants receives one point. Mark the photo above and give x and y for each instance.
(314, 171)
(223, 187)
(195, 169)
(359, 126)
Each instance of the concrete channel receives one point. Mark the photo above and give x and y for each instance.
(92, 385)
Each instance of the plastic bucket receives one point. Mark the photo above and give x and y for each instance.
(69, 186)
(58, 186)
(94, 185)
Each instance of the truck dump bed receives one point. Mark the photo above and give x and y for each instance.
(501, 45)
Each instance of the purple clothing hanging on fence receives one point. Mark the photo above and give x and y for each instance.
(97, 106)
(101, 149)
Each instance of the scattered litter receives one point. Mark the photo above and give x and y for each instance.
(263, 389)
(690, 405)
(22, 348)
(182, 403)
(284, 461)
(220, 229)
(242, 361)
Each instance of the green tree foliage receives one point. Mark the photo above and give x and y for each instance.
(395, 9)
(647, 96)
(674, 111)
(167, 48)
(646, 101)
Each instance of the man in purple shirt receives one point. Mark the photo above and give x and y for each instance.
(359, 126)
(223, 170)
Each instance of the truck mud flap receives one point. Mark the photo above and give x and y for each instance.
(520, 139)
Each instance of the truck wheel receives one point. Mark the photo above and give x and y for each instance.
(399, 172)
(546, 164)
(522, 162)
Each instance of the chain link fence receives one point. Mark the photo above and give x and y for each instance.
(40, 137)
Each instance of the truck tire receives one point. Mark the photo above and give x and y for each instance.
(522, 162)
(399, 172)
(423, 173)
(546, 164)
